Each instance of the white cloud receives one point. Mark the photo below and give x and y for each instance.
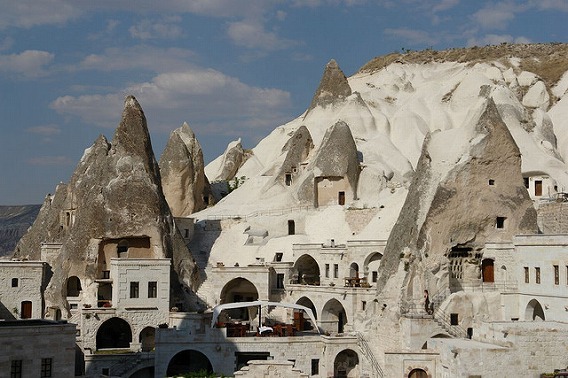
(151, 58)
(252, 34)
(412, 37)
(495, 39)
(165, 28)
(29, 13)
(203, 97)
(45, 130)
(560, 5)
(496, 16)
(27, 64)
(444, 5)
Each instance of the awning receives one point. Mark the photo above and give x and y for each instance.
(227, 306)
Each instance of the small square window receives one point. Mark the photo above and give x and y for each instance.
(14, 282)
(491, 182)
(278, 256)
(375, 276)
(454, 319)
(500, 222)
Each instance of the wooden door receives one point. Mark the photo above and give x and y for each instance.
(26, 312)
(538, 188)
(487, 270)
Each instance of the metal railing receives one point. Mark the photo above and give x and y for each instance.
(367, 352)
(272, 212)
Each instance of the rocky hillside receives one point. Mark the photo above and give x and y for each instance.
(14, 222)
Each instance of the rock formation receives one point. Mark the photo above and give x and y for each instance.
(335, 166)
(183, 178)
(460, 198)
(333, 87)
(233, 158)
(297, 149)
(115, 193)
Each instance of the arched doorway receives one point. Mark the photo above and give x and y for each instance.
(333, 317)
(345, 364)
(147, 339)
(305, 301)
(371, 266)
(238, 290)
(534, 311)
(308, 271)
(417, 373)
(73, 286)
(487, 270)
(114, 333)
(354, 270)
(189, 361)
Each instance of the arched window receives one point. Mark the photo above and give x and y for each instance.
(189, 361)
(114, 333)
(73, 286)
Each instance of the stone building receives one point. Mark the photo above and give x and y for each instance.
(37, 348)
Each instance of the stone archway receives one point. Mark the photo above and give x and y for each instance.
(238, 290)
(417, 373)
(371, 266)
(114, 333)
(354, 270)
(333, 317)
(346, 364)
(305, 301)
(534, 311)
(73, 286)
(307, 270)
(147, 339)
(189, 361)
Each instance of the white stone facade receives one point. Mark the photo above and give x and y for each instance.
(21, 285)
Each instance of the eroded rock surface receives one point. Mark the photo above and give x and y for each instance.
(333, 86)
(115, 193)
(183, 178)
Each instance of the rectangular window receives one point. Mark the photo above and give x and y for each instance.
(375, 276)
(538, 187)
(527, 275)
(14, 282)
(315, 366)
(556, 275)
(335, 270)
(454, 319)
(500, 222)
(16, 369)
(537, 275)
(526, 181)
(326, 270)
(46, 367)
(152, 289)
(280, 280)
(363, 305)
(134, 290)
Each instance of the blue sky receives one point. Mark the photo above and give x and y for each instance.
(230, 68)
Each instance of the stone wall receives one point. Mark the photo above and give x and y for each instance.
(553, 217)
(31, 341)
